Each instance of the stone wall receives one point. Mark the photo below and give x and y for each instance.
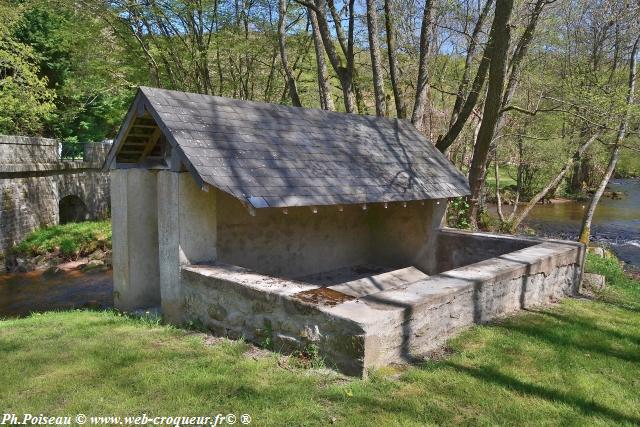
(457, 248)
(33, 181)
(302, 242)
(420, 318)
(394, 326)
(235, 302)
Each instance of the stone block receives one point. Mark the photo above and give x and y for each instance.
(593, 282)
(596, 250)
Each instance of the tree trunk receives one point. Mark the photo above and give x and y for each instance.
(496, 171)
(374, 50)
(520, 52)
(472, 99)
(324, 87)
(420, 103)
(471, 51)
(585, 231)
(344, 73)
(491, 114)
(401, 109)
(291, 81)
(350, 73)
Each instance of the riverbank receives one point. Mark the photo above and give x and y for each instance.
(80, 246)
(616, 223)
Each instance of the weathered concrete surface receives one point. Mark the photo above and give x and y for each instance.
(399, 324)
(205, 258)
(136, 275)
(380, 282)
(34, 182)
(302, 243)
(187, 235)
(457, 248)
(406, 324)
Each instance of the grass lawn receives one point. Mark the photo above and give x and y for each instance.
(506, 173)
(577, 363)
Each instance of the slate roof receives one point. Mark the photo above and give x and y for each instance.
(278, 156)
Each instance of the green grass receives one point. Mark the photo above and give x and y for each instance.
(577, 363)
(72, 239)
(628, 165)
(506, 180)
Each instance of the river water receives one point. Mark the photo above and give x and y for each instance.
(616, 222)
(23, 293)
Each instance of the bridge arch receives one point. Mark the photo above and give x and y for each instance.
(71, 208)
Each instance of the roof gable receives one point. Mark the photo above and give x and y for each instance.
(276, 156)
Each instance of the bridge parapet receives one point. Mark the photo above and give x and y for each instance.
(23, 154)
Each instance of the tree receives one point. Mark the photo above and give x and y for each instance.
(499, 42)
(324, 87)
(291, 81)
(27, 102)
(422, 85)
(26, 99)
(394, 72)
(376, 62)
(585, 231)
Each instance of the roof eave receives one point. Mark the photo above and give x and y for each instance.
(123, 131)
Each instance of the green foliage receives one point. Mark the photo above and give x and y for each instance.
(629, 164)
(267, 335)
(70, 240)
(458, 213)
(308, 358)
(43, 29)
(76, 77)
(26, 102)
(621, 287)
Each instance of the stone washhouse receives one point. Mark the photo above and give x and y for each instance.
(306, 227)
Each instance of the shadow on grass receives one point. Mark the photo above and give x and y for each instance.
(586, 324)
(494, 376)
(561, 337)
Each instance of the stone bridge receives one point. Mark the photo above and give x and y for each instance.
(39, 186)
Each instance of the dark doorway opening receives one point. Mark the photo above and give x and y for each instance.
(72, 209)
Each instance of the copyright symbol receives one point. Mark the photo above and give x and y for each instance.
(245, 419)
(231, 419)
(81, 418)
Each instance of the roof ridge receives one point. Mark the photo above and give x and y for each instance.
(289, 107)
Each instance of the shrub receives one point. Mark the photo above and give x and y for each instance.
(69, 240)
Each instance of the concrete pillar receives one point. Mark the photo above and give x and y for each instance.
(187, 231)
(426, 257)
(136, 276)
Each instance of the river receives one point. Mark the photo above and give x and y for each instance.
(23, 293)
(616, 222)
